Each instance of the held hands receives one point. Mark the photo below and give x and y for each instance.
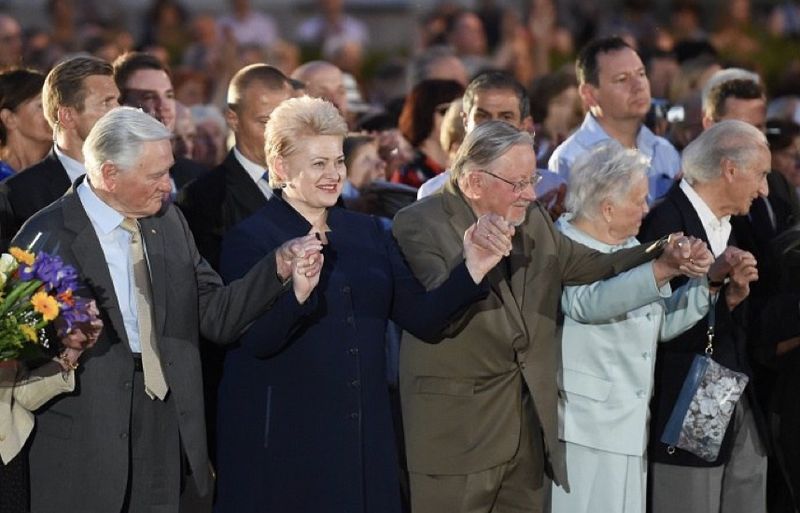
(81, 337)
(686, 256)
(741, 267)
(485, 243)
(301, 259)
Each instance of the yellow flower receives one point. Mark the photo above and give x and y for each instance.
(29, 333)
(46, 305)
(26, 257)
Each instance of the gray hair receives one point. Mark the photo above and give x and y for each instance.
(722, 76)
(731, 139)
(118, 137)
(605, 172)
(486, 143)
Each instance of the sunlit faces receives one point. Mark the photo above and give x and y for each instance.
(624, 216)
(101, 96)
(623, 90)
(142, 190)
(752, 111)
(151, 90)
(30, 120)
(247, 122)
(493, 104)
(314, 173)
(366, 166)
(498, 197)
(749, 182)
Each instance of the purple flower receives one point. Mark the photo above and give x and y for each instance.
(54, 274)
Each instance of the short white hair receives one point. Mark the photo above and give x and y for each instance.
(605, 172)
(118, 137)
(731, 139)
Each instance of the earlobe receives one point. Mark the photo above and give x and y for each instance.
(8, 118)
(586, 92)
(232, 119)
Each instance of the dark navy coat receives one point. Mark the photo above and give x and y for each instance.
(304, 423)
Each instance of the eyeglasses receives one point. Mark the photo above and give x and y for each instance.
(520, 186)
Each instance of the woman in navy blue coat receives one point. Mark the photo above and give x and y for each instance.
(304, 423)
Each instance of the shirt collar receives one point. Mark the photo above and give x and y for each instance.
(255, 171)
(704, 212)
(594, 133)
(102, 216)
(566, 227)
(73, 168)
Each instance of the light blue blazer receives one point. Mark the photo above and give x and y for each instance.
(609, 338)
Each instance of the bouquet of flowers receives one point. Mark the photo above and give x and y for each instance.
(36, 290)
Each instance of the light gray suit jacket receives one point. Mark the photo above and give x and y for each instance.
(80, 453)
(462, 398)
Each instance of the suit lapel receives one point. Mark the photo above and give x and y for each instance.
(156, 261)
(242, 186)
(691, 220)
(92, 263)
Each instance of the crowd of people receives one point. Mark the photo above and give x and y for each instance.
(474, 279)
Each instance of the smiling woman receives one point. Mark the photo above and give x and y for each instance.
(304, 419)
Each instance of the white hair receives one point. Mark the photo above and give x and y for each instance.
(731, 139)
(605, 172)
(118, 137)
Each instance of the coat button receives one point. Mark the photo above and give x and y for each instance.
(353, 351)
(640, 393)
(353, 416)
(123, 436)
(354, 384)
(645, 355)
(346, 289)
(350, 320)
(2, 438)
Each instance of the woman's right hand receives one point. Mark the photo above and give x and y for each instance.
(305, 274)
(289, 250)
(81, 337)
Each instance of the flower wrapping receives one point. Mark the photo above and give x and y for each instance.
(704, 408)
(36, 290)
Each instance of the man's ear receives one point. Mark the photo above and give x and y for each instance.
(109, 173)
(728, 170)
(588, 94)
(232, 119)
(707, 122)
(66, 116)
(473, 185)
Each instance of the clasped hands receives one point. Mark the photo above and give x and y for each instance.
(682, 255)
(485, 243)
(301, 260)
(81, 337)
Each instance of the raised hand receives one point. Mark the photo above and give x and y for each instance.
(305, 274)
(292, 248)
(485, 243)
(678, 258)
(744, 271)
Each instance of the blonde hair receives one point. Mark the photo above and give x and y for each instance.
(296, 118)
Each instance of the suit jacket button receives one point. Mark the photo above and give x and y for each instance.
(123, 435)
(346, 289)
(353, 351)
(2, 438)
(350, 320)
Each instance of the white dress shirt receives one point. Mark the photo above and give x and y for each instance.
(115, 242)
(718, 230)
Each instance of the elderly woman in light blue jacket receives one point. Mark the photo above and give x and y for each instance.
(609, 339)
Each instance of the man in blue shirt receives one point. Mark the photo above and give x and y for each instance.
(615, 88)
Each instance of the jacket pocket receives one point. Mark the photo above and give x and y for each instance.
(580, 383)
(444, 386)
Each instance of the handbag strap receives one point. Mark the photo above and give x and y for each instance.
(712, 317)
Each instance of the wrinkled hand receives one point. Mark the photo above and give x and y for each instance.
(485, 243)
(306, 267)
(682, 256)
(744, 271)
(289, 250)
(81, 337)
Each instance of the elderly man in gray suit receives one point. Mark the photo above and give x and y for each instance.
(133, 429)
(480, 407)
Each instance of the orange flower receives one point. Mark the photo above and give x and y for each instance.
(25, 257)
(46, 305)
(66, 298)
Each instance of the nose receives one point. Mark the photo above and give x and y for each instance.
(528, 193)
